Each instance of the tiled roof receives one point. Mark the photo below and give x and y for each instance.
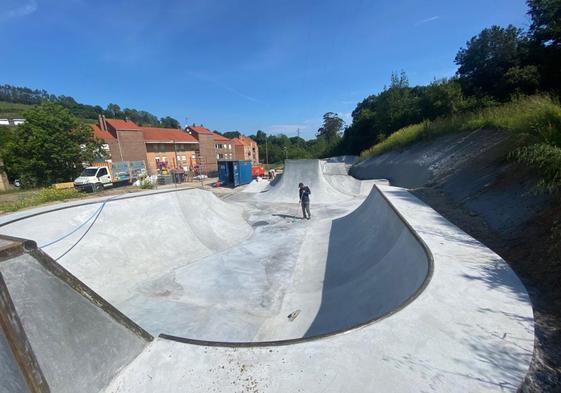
(119, 124)
(246, 140)
(166, 134)
(200, 129)
(237, 142)
(219, 138)
(98, 132)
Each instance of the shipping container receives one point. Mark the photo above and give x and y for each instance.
(234, 173)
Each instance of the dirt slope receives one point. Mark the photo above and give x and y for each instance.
(468, 178)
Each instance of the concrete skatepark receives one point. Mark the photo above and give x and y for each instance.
(184, 291)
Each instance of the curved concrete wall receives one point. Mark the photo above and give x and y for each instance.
(309, 172)
(375, 264)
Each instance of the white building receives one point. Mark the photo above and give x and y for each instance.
(11, 122)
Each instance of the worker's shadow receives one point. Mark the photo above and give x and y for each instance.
(288, 216)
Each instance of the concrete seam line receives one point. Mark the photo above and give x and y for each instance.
(96, 214)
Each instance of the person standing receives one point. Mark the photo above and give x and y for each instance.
(305, 200)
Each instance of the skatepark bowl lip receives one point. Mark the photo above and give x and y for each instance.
(29, 245)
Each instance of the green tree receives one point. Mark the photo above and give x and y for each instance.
(545, 31)
(232, 134)
(331, 128)
(50, 146)
(114, 111)
(488, 58)
(169, 122)
(546, 21)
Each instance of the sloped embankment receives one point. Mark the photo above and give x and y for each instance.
(467, 177)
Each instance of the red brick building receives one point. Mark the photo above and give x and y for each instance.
(246, 148)
(213, 147)
(127, 141)
(216, 147)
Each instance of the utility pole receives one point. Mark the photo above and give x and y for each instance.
(267, 151)
(298, 132)
(174, 174)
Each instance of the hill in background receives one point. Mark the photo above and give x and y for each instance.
(14, 100)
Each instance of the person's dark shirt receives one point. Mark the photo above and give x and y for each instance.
(305, 194)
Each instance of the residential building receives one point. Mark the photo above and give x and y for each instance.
(224, 147)
(216, 147)
(213, 147)
(157, 147)
(246, 149)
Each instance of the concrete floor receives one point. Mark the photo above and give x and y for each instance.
(451, 315)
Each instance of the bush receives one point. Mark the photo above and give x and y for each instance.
(146, 184)
(544, 158)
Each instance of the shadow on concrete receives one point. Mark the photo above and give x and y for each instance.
(374, 266)
(288, 216)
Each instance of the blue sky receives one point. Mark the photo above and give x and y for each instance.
(233, 64)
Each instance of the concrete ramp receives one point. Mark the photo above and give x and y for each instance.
(352, 270)
(309, 172)
(12, 379)
(78, 341)
(135, 240)
(375, 264)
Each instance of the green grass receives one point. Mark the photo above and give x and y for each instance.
(546, 159)
(12, 110)
(39, 197)
(537, 119)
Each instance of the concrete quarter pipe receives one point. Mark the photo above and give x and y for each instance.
(276, 304)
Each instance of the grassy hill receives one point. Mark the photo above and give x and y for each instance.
(12, 110)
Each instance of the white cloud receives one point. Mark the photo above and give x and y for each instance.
(21, 11)
(428, 20)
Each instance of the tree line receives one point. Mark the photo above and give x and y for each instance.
(496, 65)
(25, 95)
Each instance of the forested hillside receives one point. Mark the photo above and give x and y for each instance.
(14, 100)
(507, 78)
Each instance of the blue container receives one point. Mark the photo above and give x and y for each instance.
(234, 173)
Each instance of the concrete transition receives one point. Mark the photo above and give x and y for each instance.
(376, 293)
